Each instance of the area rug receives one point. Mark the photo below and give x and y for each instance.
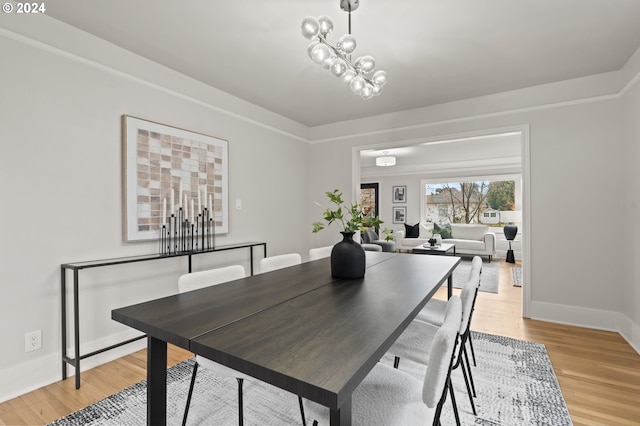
(515, 384)
(514, 379)
(516, 273)
(488, 280)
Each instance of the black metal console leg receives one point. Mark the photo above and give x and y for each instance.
(76, 328)
(63, 299)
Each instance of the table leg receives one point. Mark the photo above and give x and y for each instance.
(341, 416)
(450, 286)
(156, 382)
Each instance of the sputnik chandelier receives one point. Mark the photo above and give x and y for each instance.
(337, 59)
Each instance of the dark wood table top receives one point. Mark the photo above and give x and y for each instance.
(298, 328)
(323, 343)
(179, 318)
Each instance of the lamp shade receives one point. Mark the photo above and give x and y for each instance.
(386, 161)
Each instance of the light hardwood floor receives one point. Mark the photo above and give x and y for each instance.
(599, 373)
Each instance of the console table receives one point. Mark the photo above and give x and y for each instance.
(76, 267)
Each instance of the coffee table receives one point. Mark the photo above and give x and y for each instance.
(442, 249)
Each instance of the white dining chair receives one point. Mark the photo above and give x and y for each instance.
(272, 263)
(195, 281)
(419, 335)
(320, 252)
(433, 312)
(202, 279)
(388, 396)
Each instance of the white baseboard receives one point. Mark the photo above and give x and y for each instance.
(46, 369)
(587, 317)
(631, 332)
(29, 375)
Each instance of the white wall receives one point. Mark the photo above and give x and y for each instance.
(60, 186)
(575, 148)
(629, 205)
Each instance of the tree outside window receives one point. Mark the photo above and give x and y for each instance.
(464, 202)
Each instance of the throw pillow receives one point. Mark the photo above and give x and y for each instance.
(443, 230)
(412, 231)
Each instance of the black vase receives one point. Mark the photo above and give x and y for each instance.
(347, 258)
(510, 232)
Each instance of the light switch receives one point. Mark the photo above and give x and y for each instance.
(238, 204)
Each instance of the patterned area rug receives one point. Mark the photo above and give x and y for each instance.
(516, 273)
(488, 279)
(514, 379)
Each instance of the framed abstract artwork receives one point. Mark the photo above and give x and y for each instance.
(165, 169)
(399, 194)
(399, 214)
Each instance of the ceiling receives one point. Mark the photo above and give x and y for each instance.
(479, 155)
(434, 51)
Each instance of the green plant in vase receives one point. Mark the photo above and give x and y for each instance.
(347, 256)
(350, 218)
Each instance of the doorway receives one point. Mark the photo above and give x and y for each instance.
(498, 152)
(369, 199)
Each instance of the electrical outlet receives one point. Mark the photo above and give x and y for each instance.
(33, 340)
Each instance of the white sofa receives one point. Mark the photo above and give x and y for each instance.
(404, 243)
(470, 239)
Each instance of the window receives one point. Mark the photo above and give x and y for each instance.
(468, 202)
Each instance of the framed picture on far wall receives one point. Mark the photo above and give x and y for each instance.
(399, 194)
(399, 214)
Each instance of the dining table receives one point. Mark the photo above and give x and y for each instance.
(297, 328)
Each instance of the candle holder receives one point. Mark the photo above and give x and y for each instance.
(180, 234)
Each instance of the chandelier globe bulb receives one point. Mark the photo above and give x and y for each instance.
(347, 44)
(367, 91)
(310, 27)
(357, 84)
(338, 67)
(379, 77)
(325, 25)
(327, 63)
(310, 47)
(320, 53)
(348, 75)
(367, 64)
